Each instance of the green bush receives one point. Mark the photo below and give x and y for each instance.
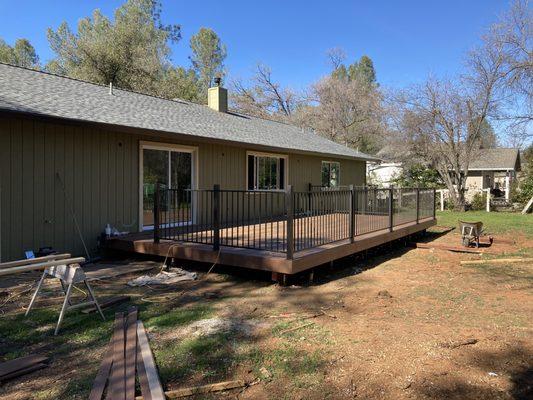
(479, 201)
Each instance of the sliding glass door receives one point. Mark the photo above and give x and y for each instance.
(172, 168)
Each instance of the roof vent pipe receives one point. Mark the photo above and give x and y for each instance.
(111, 88)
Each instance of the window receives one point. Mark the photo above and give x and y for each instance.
(331, 173)
(266, 172)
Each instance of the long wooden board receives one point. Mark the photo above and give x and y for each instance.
(40, 266)
(131, 352)
(100, 381)
(498, 261)
(23, 371)
(107, 303)
(17, 364)
(36, 260)
(210, 388)
(117, 384)
(156, 390)
(143, 378)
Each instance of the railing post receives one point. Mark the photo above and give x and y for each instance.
(216, 217)
(391, 208)
(417, 204)
(156, 213)
(309, 196)
(352, 214)
(289, 204)
(434, 203)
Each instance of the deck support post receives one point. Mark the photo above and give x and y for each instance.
(157, 198)
(216, 217)
(417, 204)
(352, 214)
(289, 204)
(391, 208)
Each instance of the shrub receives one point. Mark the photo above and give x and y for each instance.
(479, 201)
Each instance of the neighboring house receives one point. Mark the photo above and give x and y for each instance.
(69, 145)
(383, 174)
(493, 169)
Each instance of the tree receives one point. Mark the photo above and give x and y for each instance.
(22, 54)
(512, 38)
(181, 83)
(345, 110)
(487, 137)
(444, 120)
(418, 175)
(208, 55)
(265, 98)
(364, 69)
(130, 52)
(346, 106)
(525, 185)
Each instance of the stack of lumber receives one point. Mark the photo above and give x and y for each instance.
(128, 355)
(21, 366)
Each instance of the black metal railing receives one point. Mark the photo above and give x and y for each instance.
(284, 221)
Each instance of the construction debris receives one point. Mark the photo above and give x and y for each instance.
(21, 366)
(210, 388)
(498, 261)
(128, 351)
(454, 345)
(164, 278)
(296, 328)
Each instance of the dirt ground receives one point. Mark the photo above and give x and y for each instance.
(400, 323)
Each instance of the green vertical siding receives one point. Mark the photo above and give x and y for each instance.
(100, 171)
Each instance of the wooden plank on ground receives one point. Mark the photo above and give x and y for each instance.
(131, 352)
(143, 379)
(117, 383)
(214, 387)
(498, 261)
(156, 390)
(100, 381)
(17, 364)
(23, 371)
(107, 303)
(456, 249)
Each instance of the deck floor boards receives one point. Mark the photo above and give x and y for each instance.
(312, 249)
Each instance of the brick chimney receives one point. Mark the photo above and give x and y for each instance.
(217, 97)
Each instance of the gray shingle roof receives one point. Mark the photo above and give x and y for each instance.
(495, 159)
(35, 92)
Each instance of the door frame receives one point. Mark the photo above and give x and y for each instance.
(144, 144)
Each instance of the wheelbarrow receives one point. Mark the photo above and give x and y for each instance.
(470, 232)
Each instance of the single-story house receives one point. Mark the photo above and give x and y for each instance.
(493, 169)
(77, 154)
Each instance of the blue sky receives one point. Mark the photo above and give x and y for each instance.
(406, 39)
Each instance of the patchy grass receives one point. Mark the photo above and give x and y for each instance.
(178, 317)
(494, 222)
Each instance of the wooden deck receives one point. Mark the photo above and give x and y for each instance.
(314, 248)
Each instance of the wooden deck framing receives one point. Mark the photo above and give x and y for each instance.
(143, 243)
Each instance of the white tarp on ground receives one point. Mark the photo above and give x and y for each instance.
(164, 278)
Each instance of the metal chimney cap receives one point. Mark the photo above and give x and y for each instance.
(218, 80)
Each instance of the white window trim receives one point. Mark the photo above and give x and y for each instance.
(193, 150)
(266, 154)
(331, 161)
